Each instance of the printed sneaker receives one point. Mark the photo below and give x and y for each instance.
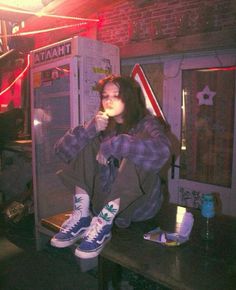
(96, 237)
(71, 231)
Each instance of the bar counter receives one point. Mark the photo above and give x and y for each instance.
(195, 265)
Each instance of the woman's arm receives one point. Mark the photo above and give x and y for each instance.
(148, 148)
(74, 140)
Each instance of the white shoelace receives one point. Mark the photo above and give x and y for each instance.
(94, 229)
(70, 222)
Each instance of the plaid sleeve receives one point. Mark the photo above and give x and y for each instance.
(148, 148)
(74, 140)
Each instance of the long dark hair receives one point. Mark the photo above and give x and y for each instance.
(131, 94)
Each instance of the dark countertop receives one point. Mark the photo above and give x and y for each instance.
(196, 264)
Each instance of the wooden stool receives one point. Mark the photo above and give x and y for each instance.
(53, 223)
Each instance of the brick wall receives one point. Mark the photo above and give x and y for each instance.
(127, 21)
(156, 23)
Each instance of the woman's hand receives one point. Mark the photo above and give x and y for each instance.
(101, 121)
(101, 159)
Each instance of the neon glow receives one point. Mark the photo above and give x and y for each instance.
(41, 14)
(18, 77)
(43, 30)
(219, 68)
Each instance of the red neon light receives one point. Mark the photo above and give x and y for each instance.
(230, 68)
(44, 30)
(18, 77)
(41, 14)
(137, 71)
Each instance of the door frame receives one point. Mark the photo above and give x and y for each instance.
(172, 107)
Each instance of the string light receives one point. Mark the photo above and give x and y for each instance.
(229, 68)
(18, 77)
(42, 30)
(41, 14)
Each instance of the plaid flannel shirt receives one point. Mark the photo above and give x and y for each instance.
(145, 145)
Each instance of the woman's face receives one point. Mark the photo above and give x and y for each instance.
(112, 103)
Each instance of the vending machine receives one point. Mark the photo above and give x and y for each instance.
(63, 94)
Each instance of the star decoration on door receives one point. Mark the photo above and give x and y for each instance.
(205, 97)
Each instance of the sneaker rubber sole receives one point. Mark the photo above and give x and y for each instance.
(93, 253)
(66, 243)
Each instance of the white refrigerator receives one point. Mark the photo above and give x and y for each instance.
(63, 78)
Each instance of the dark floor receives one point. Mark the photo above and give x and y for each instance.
(24, 268)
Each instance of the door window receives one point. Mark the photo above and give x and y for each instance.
(199, 103)
(207, 125)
